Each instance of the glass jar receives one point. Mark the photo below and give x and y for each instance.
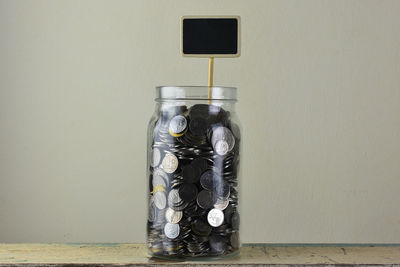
(193, 154)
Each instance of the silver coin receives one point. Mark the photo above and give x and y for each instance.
(171, 230)
(221, 188)
(160, 178)
(215, 217)
(223, 133)
(206, 180)
(152, 212)
(221, 147)
(159, 217)
(160, 200)
(221, 204)
(178, 124)
(170, 163)
(156, 157)
(173, 216)
(174, 198)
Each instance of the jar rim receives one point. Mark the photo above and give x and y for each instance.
(221, 93)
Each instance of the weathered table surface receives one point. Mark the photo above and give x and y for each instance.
(250, 255)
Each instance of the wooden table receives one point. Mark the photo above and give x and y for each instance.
(251, 255)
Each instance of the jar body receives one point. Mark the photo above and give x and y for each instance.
(193, 155)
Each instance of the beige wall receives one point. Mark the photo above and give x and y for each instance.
(319, 91)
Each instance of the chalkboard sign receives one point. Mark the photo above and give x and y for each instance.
(210, 36)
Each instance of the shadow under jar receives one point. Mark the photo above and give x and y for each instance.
(193, 154)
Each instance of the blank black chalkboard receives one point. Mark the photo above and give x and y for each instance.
(210, 36)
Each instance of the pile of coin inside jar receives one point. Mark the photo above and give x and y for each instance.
(194, 164)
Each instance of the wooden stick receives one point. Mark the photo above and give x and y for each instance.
(210, 75)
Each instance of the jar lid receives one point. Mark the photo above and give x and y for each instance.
(195, 93)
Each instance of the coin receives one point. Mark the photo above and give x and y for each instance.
(200, 163)
(161, 176)
(199, 110)
(156, 247)
(218, 243)
(235, 221)
(171, 230)
(160, 200)
(168, 111)
(173, 216)
(203, 238)
(221, 189)
(177, 126)
(190, 174)
(158, 188)
(221, 147)
(223, 229)
(198, 126)
(152, 211)
(206, 180)
(170, 163)
(221, 204)
(223, 133)
(205, 199)
(201, 228)
(174, 198)
(191, 210)
(158, 180)
(188, 192)
(159, 217)
(151, 183)
(215, 217)
(228, 213)
(156, 157)
(171, 247)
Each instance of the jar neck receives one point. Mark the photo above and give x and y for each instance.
(228, 105)
(212, 95)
